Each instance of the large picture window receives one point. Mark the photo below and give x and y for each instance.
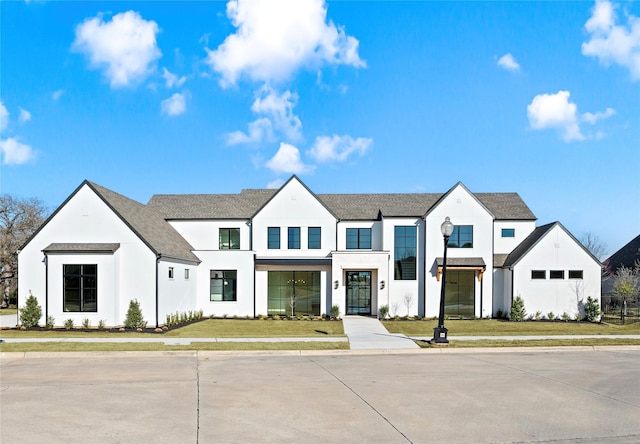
(80, 288)
(229, 238)
(294, 291)
(273, 238)
(462, 237)
(358, 238)
(404, 247)
(223, 285)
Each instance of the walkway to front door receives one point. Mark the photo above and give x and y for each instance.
(358, 292)
(366, 333)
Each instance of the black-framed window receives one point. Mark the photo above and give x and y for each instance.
(80, 290)
(556, 274)
(576, 274)
(186, 274)
(358, 238)
(223, 285)
(293, 238)
(508, 232)
(170, 272)
(273, 238)
(314, 238)
(538, 274)
(462, 237)
(404, 247)
(229, 238)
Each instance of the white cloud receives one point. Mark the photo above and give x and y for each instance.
(338, 148)
(174, 105)
(259, 130)
(508, 62)
(287, 160)
(555, 111)
(57, 94)
(172, 80)
(14, 152)
(280, 109)
(613, 43)
(4, 117)
(25, 116)
(124, 48)
(274, 39)
(592, 118)
(275, 184)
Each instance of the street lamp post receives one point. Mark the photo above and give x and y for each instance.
(440, 332)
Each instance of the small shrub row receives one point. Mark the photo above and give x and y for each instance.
(177, 318)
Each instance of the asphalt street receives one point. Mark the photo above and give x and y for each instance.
(322, 397)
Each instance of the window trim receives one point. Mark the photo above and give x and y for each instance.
(311, 241)
(508, 232)
(574, 272)
(82, 288)
(455, 237)
(559, 274)
(398, 274)
(186, 274)
(293, 238)
(223, 278)
(171, 273)
(229, 246)
(272, 231)
(359, 238)
(535, 274)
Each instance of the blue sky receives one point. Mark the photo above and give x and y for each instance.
(540, 98)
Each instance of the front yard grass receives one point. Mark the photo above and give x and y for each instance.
(486, 327)
(207, 328)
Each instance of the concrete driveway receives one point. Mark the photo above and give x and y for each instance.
(206, 397)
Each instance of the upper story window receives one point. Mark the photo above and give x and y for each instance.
(508, 232)
(556, 274)
(294, 238)
(80, 288)
(404, 245)
(170, 272)
(314, 240)
(462, 237)
(229, 238)
(575, 274)
(358, 238)
(538, 274)
(186, 273)
(273, 238)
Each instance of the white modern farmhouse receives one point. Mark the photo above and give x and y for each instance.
(260, 252)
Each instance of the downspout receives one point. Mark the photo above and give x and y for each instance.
(157, 285)
(254, 285)
(46, 287)
(481, 295)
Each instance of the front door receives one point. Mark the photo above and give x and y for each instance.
(358, 292)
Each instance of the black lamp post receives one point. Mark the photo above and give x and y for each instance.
(440, 332)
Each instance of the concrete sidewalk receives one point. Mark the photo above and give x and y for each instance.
(367, 333)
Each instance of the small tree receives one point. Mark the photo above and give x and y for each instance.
(408, 302)
(31, 313)
(592, 310)
(134, 316)
(518, 313)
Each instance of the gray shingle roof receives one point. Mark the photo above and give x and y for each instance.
(148, 224)
(82, 248)
(506, 206)
(461, 262)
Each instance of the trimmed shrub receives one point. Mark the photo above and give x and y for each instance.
(335, 312)
(134, 317)
(31, 313)
(592, 310)
(68, 324)
(518, 313)
(51, 321)
(383, 311)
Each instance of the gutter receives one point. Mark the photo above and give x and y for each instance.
(46, 287)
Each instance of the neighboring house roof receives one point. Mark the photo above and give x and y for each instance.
(148, 224)
(624, 257)
(530, 241)
(505, 206)
(82, 248)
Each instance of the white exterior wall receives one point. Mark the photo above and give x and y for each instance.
(463, 209)
(294, 206)
(505, 245)
(376, 233)
(239, 260)
(556, 250)
(205, 234)
(85, 218)
(378, 262)
(174, 294)
(399, 290)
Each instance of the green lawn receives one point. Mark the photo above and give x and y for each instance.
(8, 311)
(424, 328)
(208, 328)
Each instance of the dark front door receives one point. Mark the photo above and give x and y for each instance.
(358, 292)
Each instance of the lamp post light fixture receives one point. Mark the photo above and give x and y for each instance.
(440, 332)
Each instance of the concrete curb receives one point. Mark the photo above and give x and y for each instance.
(208, 354)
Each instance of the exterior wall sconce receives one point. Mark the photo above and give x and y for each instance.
(381, 285)
(336, 284)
